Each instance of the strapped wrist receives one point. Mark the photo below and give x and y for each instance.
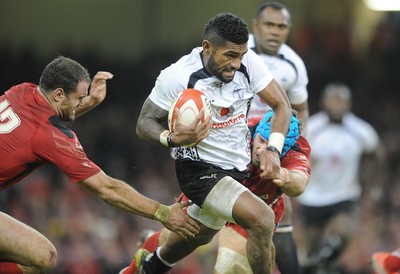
(274, 149)
(164, 138)
(162, 213)
(276, 140)
(169, 140)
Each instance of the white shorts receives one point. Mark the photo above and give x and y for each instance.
(217, 207)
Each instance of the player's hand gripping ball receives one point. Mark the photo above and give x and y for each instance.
(189, 102)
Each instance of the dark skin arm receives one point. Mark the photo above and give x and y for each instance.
(274, 95)
(302, 115)
(149, 126)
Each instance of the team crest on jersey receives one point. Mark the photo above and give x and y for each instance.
(238, 92)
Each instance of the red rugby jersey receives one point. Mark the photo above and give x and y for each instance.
(295, 159)
(32, 135)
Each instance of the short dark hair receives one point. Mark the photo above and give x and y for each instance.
(63, 73)
(273, 5)
(226, 27)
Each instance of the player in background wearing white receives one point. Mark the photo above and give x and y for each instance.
(209, 174)
(271, 27)
(329, 205)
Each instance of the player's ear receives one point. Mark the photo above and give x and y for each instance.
(207, 46)
(58, 94)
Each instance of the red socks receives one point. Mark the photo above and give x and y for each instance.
(150, 244)
(9, 268)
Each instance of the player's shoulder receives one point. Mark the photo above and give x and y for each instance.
(179, 71)
(290, 54)
(351, 118)
(298, 155)
(187, 61)
(251, 43)
(317, 119)
(356, 123)
(303, 144)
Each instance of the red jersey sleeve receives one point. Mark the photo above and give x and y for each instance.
(298, 158)
(64, 150)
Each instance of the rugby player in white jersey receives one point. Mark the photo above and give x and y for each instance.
(329, 205)
(209, 173)
(271, 27)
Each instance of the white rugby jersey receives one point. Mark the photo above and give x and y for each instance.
(289, 71)
(228, 145)
(335, 159)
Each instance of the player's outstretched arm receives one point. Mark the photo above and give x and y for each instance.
(120, 195)
(292, 182)
(97, 93)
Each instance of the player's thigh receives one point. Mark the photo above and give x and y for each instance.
(250, 211)
(22, 244)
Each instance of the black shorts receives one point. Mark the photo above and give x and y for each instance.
(320, 215)
(196, 179)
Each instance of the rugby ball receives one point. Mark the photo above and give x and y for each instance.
(189, 102)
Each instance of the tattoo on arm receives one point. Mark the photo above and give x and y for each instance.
(151, 122)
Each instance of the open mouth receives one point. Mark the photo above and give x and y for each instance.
(273, 42)
(229, 74)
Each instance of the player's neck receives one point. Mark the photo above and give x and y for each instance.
(46, 97)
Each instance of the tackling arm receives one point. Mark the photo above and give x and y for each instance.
(120, 195)
(292, 182)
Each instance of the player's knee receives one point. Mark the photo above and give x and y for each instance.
(264, 223)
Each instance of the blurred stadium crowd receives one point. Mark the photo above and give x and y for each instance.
(92, 237)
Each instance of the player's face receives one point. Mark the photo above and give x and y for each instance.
(260, 146)
(336, 106)
(72, 101)
(271, 30)
(223, 62)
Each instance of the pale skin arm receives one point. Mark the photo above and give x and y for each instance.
(97, 93)
(122, 196)
(292, 182)
(149, 126)
(276, 98)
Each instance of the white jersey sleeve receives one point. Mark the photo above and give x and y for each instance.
(367, 134)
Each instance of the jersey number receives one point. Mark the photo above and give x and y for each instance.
(9, 120)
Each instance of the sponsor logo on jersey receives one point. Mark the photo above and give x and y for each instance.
(229, 122)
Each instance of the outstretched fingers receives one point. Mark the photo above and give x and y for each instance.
(180, 223)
